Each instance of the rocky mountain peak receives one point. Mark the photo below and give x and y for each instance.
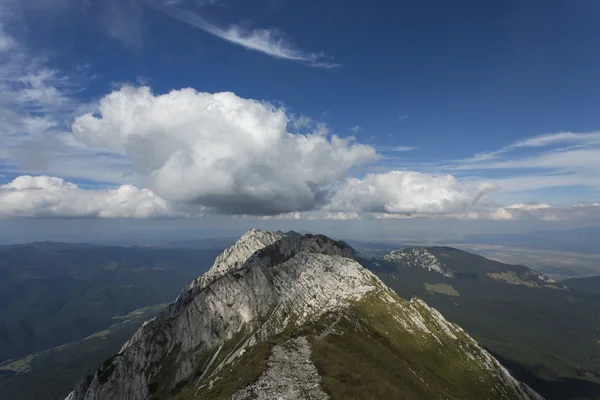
(419, 257)
(282, 281)
(233, 257)
(253, 325)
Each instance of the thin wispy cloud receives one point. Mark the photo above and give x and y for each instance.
(402, 148)
(555, 160)
(37, 104)
(403, 117)
(549, 139)
(271, 42)
(124, 21)
(395, 148)
(301, 121)
(355, 129)
(573, 140)
(567, 159)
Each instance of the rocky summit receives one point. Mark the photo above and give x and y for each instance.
(419, 257)
(297, 317)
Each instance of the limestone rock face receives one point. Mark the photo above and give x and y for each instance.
(259, 284)
(419, 257)
(235, 256)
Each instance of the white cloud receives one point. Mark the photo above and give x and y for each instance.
(406, 192)
(342, 216)
(29, 94)
(6, 41)
(499, 214)
(576, 140)
(528, 206)
(557, 160)
(395, 149)
(310, 216)
(488, 213)
(26, 85)
(286, 216)
(44, 196)
(558, 138)
(124, 20)
(401, 148)
(491, 214)
(543, 212)
(553, 214)
(231, 154)
(355, 129)
(267, 41)
(301, 122)
(556, 169)
(559, 214)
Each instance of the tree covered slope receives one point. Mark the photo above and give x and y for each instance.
(55, 293)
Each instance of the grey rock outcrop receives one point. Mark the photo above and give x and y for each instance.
(419, 257)
(290, 375)
(287, 281)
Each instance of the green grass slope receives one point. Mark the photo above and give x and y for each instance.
(381, 347)
(549, 337)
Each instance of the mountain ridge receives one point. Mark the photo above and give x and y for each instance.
(437, 259)
(547, 333)
(292, 284)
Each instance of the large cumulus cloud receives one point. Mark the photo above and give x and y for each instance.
(228, 153)
(44, 196)
(407, 192)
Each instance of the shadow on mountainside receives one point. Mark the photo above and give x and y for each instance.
(560, 389)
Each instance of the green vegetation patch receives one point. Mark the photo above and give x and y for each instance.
(442, 288)
(512, 278)
(20, 365)
(99, 335)
(371, 355)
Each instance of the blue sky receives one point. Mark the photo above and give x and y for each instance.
(412, 109)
